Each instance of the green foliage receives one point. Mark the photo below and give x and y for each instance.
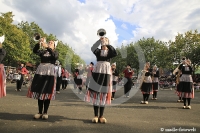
(162, 54)
(16, 42)
(19, 43)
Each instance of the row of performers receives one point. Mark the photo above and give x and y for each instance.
(43, 86)
(99, 88)
(184, 83)
(151, 77)
(150, 82)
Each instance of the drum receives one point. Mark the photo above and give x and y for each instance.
(16, 76)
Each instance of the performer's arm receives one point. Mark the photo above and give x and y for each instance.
(53, 53)
(157, 74)
(116, 73)
(95, 46)
(24, 71)
(37, 50)
(131, 72)
(112, 51)
(180, 66)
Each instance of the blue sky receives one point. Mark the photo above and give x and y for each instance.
(82, 1)
(124, 29)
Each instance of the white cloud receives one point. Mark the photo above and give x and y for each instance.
(72, 22)
(76, 23)
(162, 19)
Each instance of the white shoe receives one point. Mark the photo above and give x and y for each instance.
(95, 120)
(184, 107)
(146, 102)
(142, 102)
(45, 116)
(57, 92)
(178, 100)
(102, 120)
(37, 116)
(188, 107)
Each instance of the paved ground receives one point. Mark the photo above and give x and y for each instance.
(69, 114)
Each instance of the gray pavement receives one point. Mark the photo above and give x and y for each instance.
(69, 114)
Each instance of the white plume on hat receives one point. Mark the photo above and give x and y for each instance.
(114, 64)
(2, 38)
(56, 43)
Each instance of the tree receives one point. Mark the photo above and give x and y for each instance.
(16, 42)
(19, 43)
(191, 47)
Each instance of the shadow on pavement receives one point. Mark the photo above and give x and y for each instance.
(27, 117)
